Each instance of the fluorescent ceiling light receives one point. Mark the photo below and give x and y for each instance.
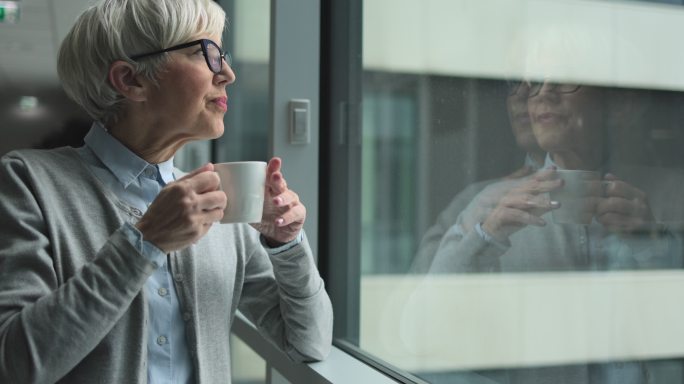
(9, 12)
(28, 103)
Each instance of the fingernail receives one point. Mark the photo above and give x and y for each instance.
(280, 221)
(277, 200)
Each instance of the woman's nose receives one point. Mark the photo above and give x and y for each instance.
(547, 87)
(227, 75)
(548, 91)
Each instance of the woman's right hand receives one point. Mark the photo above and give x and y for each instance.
(184, 210)
(523, 205)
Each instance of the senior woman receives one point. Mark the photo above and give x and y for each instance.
(111, 269)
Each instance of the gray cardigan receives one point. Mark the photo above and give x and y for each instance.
(563, 247)
(72, 307)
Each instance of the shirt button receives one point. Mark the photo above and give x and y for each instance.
(149, 172)
(163, 291)
(178, 278)
(187, 316)
(161, 340)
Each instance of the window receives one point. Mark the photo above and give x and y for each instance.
(247, 37)
(457, 254)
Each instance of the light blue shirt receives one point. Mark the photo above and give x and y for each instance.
(137, 183)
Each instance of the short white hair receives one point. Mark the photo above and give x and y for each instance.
(118, 29)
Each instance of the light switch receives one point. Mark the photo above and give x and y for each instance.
(299, 121)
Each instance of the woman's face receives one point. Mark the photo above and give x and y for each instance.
(567, 122)
(191, 100)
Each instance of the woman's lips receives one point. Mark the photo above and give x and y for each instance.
(548, 118)
(221, 102)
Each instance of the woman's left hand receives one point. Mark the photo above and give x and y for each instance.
(625, 208)
(284, 214)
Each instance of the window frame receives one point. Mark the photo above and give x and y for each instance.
(340, 196)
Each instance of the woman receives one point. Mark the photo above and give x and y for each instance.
(634, 211)
(112, 270)
(476, 201)
(631, 214)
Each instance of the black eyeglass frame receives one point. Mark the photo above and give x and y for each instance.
(534, 87)
(223, 55)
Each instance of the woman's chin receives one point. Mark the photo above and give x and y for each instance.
(217, 131)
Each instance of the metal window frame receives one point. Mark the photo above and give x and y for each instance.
(324, 66)
(341, 161)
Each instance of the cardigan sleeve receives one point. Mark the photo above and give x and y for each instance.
(285, 297)
(47, 326)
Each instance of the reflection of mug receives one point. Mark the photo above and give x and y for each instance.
(244, 183)
(577, 197)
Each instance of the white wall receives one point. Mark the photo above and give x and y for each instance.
(601, 42)
(470, 321)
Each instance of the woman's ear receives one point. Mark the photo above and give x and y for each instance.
(123, 79)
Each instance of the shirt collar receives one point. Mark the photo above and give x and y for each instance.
(166, 171)
(548, 162)
(125, 165)
(532, 163)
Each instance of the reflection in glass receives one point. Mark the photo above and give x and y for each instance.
(246, 126)
(523, 226)
(248, 40)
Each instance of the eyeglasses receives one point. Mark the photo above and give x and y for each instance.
(213, 55)
(534, 87)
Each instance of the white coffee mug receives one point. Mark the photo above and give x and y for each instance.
(578, 196)
(244, 185)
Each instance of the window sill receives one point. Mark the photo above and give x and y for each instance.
(339, 367)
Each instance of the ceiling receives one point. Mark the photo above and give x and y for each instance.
(28, 49)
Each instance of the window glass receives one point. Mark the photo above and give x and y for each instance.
(247, 366)
(247, 38)
(521, 175)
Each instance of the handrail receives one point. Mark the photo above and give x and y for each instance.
(338, 367)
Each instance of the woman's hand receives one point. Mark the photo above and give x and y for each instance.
(523, 205)
(485, 201)
(283, 215)
(184, 210)
(625, 208)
